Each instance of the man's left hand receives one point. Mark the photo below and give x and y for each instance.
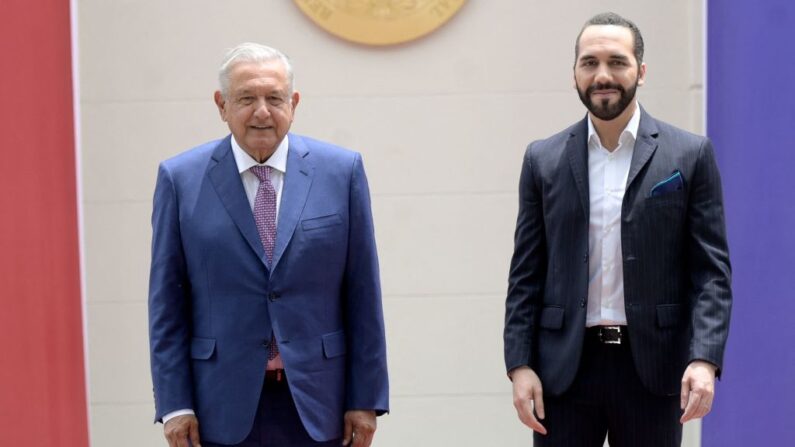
(359, 427)
(698, 390)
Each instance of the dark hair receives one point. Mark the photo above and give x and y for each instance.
(611, 18)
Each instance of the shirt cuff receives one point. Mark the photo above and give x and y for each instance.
(174, 414)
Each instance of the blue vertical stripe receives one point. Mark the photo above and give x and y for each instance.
(751, 118)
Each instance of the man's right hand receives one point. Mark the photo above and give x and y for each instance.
(181, 428)
(528, 396)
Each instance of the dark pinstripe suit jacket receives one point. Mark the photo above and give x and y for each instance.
(675, 258)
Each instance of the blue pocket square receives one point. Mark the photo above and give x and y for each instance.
(671, 184)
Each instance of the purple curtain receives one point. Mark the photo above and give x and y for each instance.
(751, 119)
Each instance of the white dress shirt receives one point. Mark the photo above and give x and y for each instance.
(278, 163)
(607, 181)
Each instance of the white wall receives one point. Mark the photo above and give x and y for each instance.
(442, 123)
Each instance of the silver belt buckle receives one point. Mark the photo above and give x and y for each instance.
(610, 335)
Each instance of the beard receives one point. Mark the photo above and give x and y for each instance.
(604, 110)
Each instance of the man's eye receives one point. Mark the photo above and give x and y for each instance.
(275, 100)
(246, 100)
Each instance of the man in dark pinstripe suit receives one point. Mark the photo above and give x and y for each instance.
(619, 293)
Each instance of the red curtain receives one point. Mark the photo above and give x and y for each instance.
(42, 377)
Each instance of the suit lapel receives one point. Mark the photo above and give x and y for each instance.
(225, 178)
(297, 181)
(577, 152)
(645, 145)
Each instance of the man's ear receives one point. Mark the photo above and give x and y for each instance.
(294, 100)
(220, 102)
(642, 73)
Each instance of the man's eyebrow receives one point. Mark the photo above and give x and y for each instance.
(612, 56)
(619, 57)
(248, 91)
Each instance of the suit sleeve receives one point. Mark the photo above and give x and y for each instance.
(527, 272)
(708, 261)
(367, 379)
(168, 304)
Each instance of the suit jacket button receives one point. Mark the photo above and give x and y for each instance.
(582, 303)
(273, 296)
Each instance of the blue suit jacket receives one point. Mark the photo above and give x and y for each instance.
(213, 302)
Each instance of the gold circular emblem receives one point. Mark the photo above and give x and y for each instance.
(379, 22)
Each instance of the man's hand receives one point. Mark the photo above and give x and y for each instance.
(181, 428)
(528, 396)
(359, 426)
(698, 390)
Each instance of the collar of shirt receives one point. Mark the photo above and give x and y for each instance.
(277, 160)
(631, 131)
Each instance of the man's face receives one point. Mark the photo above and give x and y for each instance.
(606, 73)
(258, 108)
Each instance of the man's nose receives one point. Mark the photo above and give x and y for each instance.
(261, 108)
(602, 73)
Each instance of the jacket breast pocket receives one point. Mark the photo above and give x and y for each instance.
(321, 222)
(667, 199)
(202, 348)
(551, 317)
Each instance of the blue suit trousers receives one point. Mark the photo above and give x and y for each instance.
(277, 423)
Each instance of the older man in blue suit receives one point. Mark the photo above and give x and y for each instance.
(265, 316)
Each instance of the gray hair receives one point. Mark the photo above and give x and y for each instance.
(252, 52)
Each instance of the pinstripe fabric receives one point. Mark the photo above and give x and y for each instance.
(675, 258)
(607, 399)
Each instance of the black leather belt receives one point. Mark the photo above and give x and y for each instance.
(609, 335)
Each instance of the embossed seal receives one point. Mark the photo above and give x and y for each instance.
(379, 22)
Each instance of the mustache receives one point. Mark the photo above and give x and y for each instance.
(608, 86)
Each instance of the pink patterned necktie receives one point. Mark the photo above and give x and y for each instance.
(265, 210)
(265, 218)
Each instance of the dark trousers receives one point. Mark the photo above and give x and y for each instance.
(607, 398)
(277, 423)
